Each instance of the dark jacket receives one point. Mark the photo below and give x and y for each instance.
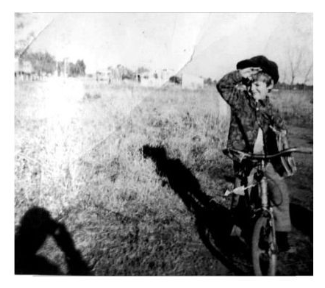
(247, 116)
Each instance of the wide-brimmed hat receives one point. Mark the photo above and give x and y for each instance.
(267, 66)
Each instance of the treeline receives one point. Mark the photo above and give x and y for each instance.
(41, 62)
(72, 69)
(45, 63)
(298, 86)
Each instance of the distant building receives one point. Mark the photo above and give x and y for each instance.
(103, 76)
(110, 75)
(149, 78)
(154, 78)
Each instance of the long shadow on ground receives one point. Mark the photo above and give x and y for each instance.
(213, 221)
(35, 226)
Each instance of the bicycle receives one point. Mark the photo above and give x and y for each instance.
(263, 240)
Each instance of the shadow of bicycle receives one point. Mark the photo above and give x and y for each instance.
(35, 227)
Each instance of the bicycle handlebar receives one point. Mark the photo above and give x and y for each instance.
(242, 155)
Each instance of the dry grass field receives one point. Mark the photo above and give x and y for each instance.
(115, 164)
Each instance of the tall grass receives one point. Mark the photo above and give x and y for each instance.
(78, 155)
(84, 155)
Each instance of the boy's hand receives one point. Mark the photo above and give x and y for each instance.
(249, 72)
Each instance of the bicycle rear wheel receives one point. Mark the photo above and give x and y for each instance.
(264, 247)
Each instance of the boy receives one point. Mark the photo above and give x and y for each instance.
(256, 127)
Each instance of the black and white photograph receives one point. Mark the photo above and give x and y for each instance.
(163, 144)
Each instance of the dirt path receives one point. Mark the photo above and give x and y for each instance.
(301, 184)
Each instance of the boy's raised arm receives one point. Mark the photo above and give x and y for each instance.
(227, 87)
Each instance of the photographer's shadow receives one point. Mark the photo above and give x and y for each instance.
(34, 228)
(213, 221)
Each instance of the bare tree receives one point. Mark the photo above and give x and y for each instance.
(299, 50)
(308, 74)
(295, 60)
(284, 75)
(300, 65)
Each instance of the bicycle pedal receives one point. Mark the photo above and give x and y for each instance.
(237, 191)
(235, 231)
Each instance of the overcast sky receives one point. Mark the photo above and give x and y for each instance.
(214, 42)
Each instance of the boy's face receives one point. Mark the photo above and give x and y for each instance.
(259, 87)
(259, 90)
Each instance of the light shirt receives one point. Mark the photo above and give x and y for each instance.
(259, 145)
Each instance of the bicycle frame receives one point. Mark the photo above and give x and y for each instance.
(264, 234)
(263, 194)
(267, 209)
(264, 206)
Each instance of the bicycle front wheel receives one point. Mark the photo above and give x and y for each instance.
(264, 247)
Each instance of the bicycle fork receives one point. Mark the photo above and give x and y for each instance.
(267, 211)
(263, 194)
